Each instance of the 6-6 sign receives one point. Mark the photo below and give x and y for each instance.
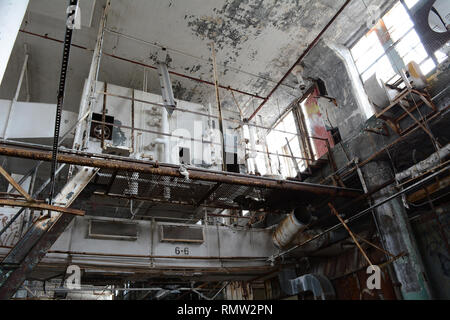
(179, 251)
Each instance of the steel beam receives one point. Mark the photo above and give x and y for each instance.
(173, 171)
(33, 246)
(15, 184)
(40, 206)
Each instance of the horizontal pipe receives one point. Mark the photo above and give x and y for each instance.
(101, 254)
(307, 50)
(144, 65)
(362, 213)
(173, 171)
(239, 122)
(40, 206)
(161, 140)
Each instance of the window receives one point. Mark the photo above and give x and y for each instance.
(280, 156)
(391, 44)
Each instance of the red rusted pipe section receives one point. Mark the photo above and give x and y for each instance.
(145, 65)
(307, 50)
(164, 170)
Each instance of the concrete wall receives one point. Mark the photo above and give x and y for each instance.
(333, 64)
(434, 253)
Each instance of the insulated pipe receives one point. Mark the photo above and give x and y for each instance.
(294, 223)
(251, 133)
(424, 165)
(164, 140)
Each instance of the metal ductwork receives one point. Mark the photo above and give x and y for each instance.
(424, 165)
(319, 285)
(295, 222)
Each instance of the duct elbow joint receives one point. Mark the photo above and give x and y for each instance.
(288, 229)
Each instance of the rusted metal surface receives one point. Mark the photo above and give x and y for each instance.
(350, 233)
(430, 189)
(40, 206)
(288, 229)
(239, 290)
(100, 254)
(33, 246)
(208, 194)
(15, 184)
(376, 154)
(362, 213)
(353, 287)
(412, 106)
(17, 276)
(172, 171)
(219, 107)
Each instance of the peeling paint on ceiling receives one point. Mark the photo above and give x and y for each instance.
(256, 43)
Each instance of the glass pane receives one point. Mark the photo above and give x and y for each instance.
(417, 54)
(397, 22)
(371, 55)
(382, 68)
(408, 43)
(427, 66)
(276, 142)
(440, 56)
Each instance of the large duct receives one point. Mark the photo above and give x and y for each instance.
(424, 165)
(286, 231)
(319, 285)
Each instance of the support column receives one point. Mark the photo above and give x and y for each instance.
(398, 235)
(90, 94)
(11, 16)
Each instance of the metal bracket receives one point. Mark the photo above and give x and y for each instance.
(166, 86)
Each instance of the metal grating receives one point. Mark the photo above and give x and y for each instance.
(157, 195)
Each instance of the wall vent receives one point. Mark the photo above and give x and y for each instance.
(172, 233)
(112, 230)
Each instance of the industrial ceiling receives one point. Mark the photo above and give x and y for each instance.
(257, 41)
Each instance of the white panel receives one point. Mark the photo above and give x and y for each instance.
(11, 16)
(35, 120)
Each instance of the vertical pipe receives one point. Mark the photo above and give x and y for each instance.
(89, 94)
(132, 122)
(216, 84)
(16, 95)
(398, 235)
(104, 115)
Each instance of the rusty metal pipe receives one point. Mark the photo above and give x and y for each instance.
(253, 95)
(163, 170)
